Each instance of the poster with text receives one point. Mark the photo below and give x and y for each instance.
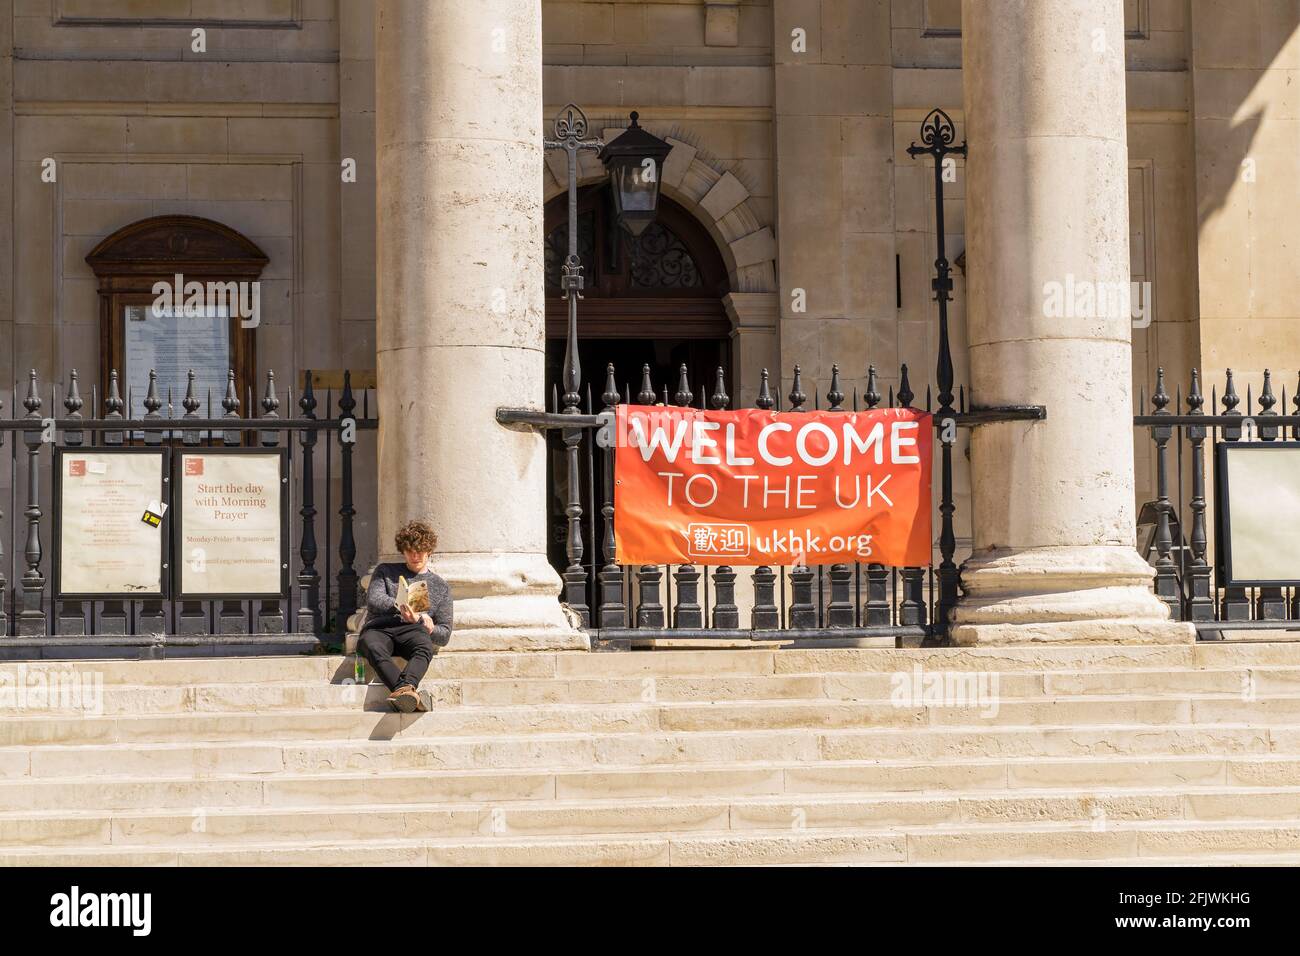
(105, 546)
(1259, 506)
(754, 487)
(229, 535)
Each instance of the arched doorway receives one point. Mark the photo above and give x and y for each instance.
(186, 329)
(656, 299)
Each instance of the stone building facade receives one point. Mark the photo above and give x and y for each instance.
(789, 121)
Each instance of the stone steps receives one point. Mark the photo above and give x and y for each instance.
(1047, 843)
(636, 749)
(1085, 658)
(703, 780)
(781, 757)
(316, 694)
(343, 722)
(918, 813)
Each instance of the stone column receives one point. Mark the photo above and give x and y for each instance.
(1047, 213)
(460, 324)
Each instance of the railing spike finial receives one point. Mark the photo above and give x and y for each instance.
(151, 400)
(113, 401)
(719, 399)
(271, 402)
(347, 401)
(872, 394)
(191, 401)
(797, 395)
(306, 401)
(33, 400)
(610, 395)
(646, 396)
(1160, 397)
(72, 401)
(905, 394)
(1194, 397)
(1266, 397)
(835, 394)
(1295, 431)
(764, 400)
(683, 395)
(1230, 397)
(231, 401)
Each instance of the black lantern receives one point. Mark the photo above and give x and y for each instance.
(635, 162)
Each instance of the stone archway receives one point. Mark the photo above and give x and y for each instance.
(720, 203)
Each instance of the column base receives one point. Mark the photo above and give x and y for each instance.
(504, 602)
(1089, 595)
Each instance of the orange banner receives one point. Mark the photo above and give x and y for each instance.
(754, 487)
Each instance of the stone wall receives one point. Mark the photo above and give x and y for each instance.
(789, 148)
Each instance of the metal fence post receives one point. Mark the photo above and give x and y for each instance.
(347, 576)
(71, 614)
(270, 615)
(613, 610)
(1166, 579)
(876, 610)
(31, 617)
(1200, 601)
(649, 609)
(725, 612)
(765, 615)
(840, 612)
(308, 577)
(1234, 605)
(1270, 602)
(803, 612)
(686, 610)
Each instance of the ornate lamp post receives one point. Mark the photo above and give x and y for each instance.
(634, 160)
(938, 136)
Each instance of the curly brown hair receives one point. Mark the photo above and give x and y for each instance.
(416, 536)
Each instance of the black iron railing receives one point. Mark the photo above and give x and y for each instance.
(1174, 528)
(320, 449)
(620, 604)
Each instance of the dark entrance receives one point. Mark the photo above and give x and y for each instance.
(651, 300)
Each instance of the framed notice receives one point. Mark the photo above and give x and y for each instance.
(231, 522)
(109, 523)
(1258, 492)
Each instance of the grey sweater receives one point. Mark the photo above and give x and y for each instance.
(381, 599)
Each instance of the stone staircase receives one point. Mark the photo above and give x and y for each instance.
(1094, 754)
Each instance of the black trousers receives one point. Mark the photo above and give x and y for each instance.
(412, 641)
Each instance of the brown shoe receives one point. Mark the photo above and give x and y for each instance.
(424, 701)
(404, 699)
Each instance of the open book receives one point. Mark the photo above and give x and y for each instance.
(415, 596)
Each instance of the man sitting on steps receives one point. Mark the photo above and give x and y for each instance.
(414, 634)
